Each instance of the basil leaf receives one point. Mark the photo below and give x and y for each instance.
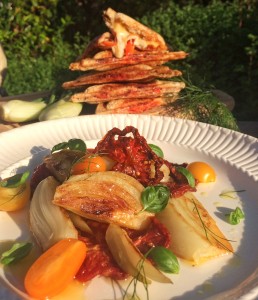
(157, 150)
(164, 259)
(77, 144)
(188, 175)
(155, 198)
(17, 252)
(60, 146)
(15, 180)
(236, 216)
(72, 144)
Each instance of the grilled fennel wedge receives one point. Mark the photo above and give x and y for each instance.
(110, 197)
(129, 258)
(195, 235)
(48, 222)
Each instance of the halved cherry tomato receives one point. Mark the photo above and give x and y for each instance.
(129, 48)
(14, 198)
(89, 164)
(202, 171)
(55, 268)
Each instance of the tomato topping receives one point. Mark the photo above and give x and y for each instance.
(129, 48)
(55, 268)
(108, 43)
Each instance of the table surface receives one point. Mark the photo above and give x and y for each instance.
(246, 127)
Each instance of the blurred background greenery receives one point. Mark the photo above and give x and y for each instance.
(42, 37)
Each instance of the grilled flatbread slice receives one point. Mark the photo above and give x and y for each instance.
(108, 62)
(113, 91)
(136, 73)
(101, 42)
(116, 104)
(125, 28)
(132, 106)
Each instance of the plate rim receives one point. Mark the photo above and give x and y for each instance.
(205, 127)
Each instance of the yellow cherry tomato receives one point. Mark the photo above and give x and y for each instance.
(89, 164)
(14, 198)
(202, 171)
(55, 268)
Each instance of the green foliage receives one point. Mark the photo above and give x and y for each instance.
(222, 41)
(33, 36)
(41, 38)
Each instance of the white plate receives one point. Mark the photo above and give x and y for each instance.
(235, 159)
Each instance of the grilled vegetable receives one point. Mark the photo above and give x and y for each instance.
(129, 258)
(49, 223)
(196, 237)
(110, 197)
(60, 109)
(21, 110)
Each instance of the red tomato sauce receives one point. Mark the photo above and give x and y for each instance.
(99, 260)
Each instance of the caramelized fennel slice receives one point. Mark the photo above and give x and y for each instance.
(110, 197)
(195, 235)
(129, 258)
(48, 222)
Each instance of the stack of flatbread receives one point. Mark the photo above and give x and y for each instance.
(124, 69)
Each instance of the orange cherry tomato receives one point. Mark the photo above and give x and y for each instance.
(202, 171)
(55, 269)
(89, 164)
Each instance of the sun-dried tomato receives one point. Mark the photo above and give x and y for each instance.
(134, 157)
(99, 260)
(155, 235)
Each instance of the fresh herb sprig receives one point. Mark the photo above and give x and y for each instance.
(72, 144)
(164, 259)
(188, 175)
(236, 216)
(16, 253)
(230, 194)
(155, 198)
(207, 230)
(15, 181)
(157, 150)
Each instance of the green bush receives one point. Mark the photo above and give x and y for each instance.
(222, 42)
(41, 38)
(33, 36)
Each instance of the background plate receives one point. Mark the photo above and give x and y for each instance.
(235, 159)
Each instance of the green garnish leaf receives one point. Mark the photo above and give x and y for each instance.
(17, 252)
(157, 150)
(155, 198)
(164, 259)
(60, 146)
(72, 144)
(15, 180)
(235, 216)
(77, 144)
(187, 174)
(230, 194)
